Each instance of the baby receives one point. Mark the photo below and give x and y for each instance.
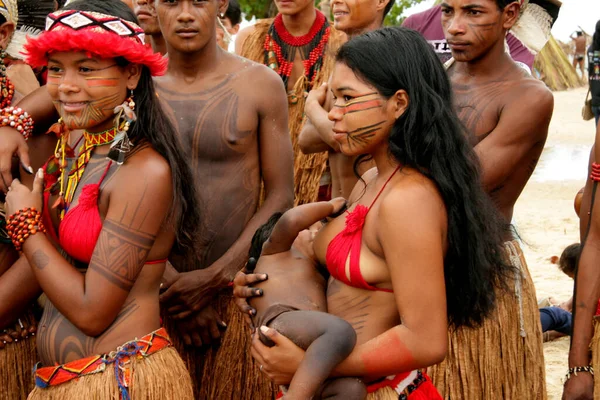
(294, 302)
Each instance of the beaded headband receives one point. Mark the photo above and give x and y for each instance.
(102, 35)
(9, 10)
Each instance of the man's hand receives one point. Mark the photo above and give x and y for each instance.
(11, 142)
(579, 387)
(191, 292)
(202, 328)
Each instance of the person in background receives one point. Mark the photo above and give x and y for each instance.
(230, 23)
(594, 71)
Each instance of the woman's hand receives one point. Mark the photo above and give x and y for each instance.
(242, 290)
(19, 196)
(12, 142)
(280, 362)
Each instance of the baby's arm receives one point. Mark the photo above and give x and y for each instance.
(328, 340)
(297, 219)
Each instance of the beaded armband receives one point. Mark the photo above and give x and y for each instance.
(573, 371)
(17, 118)
(23, 224)
(595, 175)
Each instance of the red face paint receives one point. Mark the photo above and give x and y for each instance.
(362, 106)
(102, 82)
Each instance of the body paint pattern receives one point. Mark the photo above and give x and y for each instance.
(361, 103)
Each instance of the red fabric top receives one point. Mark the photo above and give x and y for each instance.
(348, 243)
(81, 226)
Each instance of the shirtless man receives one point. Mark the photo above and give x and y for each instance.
(352, 18)
(579, 54)
(303, 31)
(506, 113)
(231, 115)
(146, 15)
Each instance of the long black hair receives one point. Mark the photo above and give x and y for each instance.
(153, 126)
(429, 138)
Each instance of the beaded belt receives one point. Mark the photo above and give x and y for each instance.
(121, 358)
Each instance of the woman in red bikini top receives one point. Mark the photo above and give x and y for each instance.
(419, 248)
(113, 198)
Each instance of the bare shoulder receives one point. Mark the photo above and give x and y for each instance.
(258, 82)
(531, 92)
(147, 165)
(411, 196)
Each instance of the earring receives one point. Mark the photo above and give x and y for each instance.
(125, 116)
(222, 15)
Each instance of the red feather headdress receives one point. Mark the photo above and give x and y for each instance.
(102, 35)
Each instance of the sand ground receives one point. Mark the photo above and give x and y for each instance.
(545, 217)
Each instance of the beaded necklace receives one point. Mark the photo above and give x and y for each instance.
(281, 48)
(91, 141)
(54, 168)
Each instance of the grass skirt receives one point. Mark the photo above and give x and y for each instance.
(16, 363)
(503, 359)
(595, 348)
(158, 376)
(228, 371)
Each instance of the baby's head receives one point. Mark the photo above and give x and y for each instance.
(568, 259)
(295, 228)
(261, 235)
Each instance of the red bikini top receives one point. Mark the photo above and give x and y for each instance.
(80, 228)
(348, 243)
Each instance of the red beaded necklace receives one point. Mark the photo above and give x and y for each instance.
(281, 48)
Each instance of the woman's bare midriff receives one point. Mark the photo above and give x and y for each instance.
(59, 341)
(370, 312)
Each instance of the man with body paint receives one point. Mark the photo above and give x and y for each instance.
(506, 113)
(353, 17)
(231, 115)
(300, 45)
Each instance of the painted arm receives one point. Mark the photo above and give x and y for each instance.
(39, 105)
(316, 135)
(136, 212)
(508, 145)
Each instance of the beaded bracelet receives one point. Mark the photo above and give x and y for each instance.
(23, 224)
(573, 371)
(17, 118)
